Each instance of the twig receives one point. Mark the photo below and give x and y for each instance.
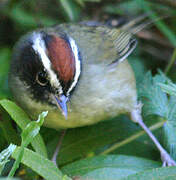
(171, 62)
(131, 138)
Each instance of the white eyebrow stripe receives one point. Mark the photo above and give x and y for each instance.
(75, 51)
(40, 48)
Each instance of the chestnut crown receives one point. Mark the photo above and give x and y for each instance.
(48, 64)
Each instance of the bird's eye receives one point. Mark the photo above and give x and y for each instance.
(41, 78)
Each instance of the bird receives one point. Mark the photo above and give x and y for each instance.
(80, 74)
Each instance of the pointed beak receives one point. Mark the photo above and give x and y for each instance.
(61, 102)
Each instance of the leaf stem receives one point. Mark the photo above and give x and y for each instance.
(171, 62)
(131, 138)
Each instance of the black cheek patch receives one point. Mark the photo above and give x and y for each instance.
(29, 65)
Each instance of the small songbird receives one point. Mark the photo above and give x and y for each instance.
(78, 73)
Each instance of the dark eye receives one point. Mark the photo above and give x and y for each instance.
(41, 78)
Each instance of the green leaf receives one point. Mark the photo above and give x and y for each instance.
(155, 100)
(169, 140)
(169, 88)
(40, 165)
(82, 142)
(6, 127)
(31, 130)
(80, 2)
(170, 126)
(4, 156)
(138, 67)
(108, 167)
(79, 142)
(71, 9)
(165, 173)
(22, 119)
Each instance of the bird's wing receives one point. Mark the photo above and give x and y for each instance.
(123, 41)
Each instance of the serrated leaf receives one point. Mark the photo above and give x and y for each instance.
(159, 103)
(155, 99)
(169, 88)
(170, 141)
(165, 173)
(171, 116)
(22, 119)
(42, 166)
(108, 167)
(4, 156)
(170, 127)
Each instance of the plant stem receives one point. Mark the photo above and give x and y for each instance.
(17, 162)
(131, 138)
(171, 62)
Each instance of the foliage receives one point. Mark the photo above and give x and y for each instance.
(27, 135)
(85, 152)
(22, 120)
(4, 156)
(109, 167)
(157, 102)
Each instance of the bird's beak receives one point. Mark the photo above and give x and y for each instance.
(61, 102)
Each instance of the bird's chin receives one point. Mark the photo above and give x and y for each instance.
(57, 121)
(55, 118)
